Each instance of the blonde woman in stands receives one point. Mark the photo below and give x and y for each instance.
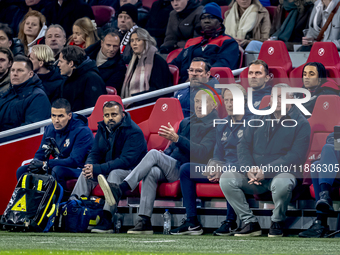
(147, 71)
(84, 33)
(32, 30)
(246, 21)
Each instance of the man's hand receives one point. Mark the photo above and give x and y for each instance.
(307, 41)
(36, 166)
(168, 133)
(259, 177)
(88, 171)
(215, 177)
(255, 176)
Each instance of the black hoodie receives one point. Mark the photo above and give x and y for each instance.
(52, 82)
(84, 86)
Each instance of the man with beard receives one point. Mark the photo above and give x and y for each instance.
(6, 60)
(219, 49)
(118, 147)
(199, 74)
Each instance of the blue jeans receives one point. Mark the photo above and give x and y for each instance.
(60, 173)
(189, 177)
(254, 46)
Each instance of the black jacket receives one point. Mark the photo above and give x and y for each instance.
(112, 71)
(84, 86)
(52, 82)
(17, 47)
(66, 14)
(197, 138)
(275, 147)
(24, 104)
(143, 14)
(122, 149)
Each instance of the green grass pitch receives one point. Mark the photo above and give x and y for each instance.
(67, 243)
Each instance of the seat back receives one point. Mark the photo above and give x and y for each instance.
(271, 10)
(275, 54)
(224, 8)
(240, 56)
(223, 75)
(97, 114)
(222, 112)
(165, 110)
(102, 14)
(175, 73)
(172, 55)
(111, 90)
(148, 3)
(264, 102)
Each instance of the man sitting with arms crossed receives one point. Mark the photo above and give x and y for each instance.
(196, 136)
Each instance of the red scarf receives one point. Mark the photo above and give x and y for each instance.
(83, 46)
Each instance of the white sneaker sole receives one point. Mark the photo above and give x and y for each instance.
(109, 198)
(99, 231)
(275, 235)
(146, 232)
(189, 233)
(256, 233)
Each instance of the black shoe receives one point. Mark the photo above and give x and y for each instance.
(316, 230)
(276, 229)
(250, 229)
(227, 228)
(325, 203)
(112, 192)
(188, 228)
(104, 226)
(143, 226)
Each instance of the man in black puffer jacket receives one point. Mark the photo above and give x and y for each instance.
(83, 85)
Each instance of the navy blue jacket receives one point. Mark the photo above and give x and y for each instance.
(186, 96)
(74, 142)
(259, 94)
(286, 146)
(227, 139)
(220, 50)
(196, 140)
(52, 82)
(112, 71)
(122, 149)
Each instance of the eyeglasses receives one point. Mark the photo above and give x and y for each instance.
(196, 71)
(208, 16)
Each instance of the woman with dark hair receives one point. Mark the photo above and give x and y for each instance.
(314, 77)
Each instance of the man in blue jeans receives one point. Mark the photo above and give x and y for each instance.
(323, 172)
(74, 140)
(227, 138)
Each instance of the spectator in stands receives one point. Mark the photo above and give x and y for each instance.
(184, 23)
(84, 33)
(118, 147)
(158, 20)
(43, 65)
(258, 76)
(225, 152)
(143, 14)
(108, 59)
(55, 38)
(147, 71)
(126, 22)
(314, 77)
(199, 74)
(285, 147)
(323, 181)
(194, 141)
(246, 21)
(26, 96)
(7, 40)
(219, 49)
(74, 138)
(83, 85)
(32, 30)
(66, 12)
(6, 61)
(319, 16)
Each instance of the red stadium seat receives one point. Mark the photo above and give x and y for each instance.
(102, 14)
(172, 55)
(224, 8)
(111, 90)
(97, 114)
(175, 73)
(222, 112)
(325, 53)
(166, 189)
(223, 75)
(240, 57)
(271, 10)
(264, 102)
(208, 190)
(148, 3)
(165, 110)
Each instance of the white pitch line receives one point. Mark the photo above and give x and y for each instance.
(157, 241)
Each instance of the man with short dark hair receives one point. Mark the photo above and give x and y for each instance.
(7, 40)
(199, 74)
(55, 38)
(83, 85)
(118, 147)
(74, 139)
(25, 102)
(216, 47)
(258, 76)
(6, 61)
(106, 53)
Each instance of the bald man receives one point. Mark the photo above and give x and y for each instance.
(194, 141)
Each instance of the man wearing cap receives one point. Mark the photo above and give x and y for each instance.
(219, 49)
(127, 17)
(118, 147)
